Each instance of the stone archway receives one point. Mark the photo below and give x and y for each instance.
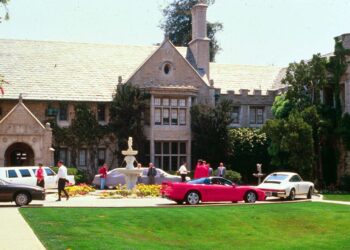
(19, 154)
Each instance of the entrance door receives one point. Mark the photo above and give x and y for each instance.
(19, 154)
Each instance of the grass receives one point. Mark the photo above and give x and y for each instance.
(306, 225)
(337, 197)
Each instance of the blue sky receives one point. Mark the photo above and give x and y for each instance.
(262, 32)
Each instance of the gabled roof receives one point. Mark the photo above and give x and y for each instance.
(66, 71)
(23, 116)
(182, 57)
(44, 70)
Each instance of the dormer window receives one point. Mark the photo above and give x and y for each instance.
(166, 68)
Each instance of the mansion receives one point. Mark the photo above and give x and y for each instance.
(47, 79)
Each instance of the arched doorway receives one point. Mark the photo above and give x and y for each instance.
(19, 154)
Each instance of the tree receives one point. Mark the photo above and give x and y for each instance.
(128, 113)
(248, 147)
(6, 16)
(210, 131)
(177, 25)
(291, 146)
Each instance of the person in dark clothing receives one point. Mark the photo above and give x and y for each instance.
(152, 172)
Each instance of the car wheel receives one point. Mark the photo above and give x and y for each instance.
(309, 194)
(22, 199)
(192, 198)
(250, 197)
(291, 196)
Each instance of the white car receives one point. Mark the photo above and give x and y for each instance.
(114, 177)
(26, 175)
(286, 185)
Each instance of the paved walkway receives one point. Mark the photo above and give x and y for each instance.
(15, 233)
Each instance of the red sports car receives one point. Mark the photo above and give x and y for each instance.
(210, 189)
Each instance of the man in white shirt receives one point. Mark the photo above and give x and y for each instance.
(62, 179)
(183, 171)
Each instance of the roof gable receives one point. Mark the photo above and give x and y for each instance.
(180, 72)
(20, 118)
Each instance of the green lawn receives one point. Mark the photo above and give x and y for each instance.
(306, 225)
(337, 197)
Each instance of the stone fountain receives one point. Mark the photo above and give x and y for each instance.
(131, 173)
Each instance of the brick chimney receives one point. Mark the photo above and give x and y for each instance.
(200, 42)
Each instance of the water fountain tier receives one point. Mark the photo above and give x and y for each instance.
(130, 172)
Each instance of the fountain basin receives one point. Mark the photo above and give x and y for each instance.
(130, 176)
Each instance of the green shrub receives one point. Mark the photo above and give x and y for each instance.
(231, 175)
(345, 183)
(79, 176)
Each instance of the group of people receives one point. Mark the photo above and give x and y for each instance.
(203, 169)
(62, 178)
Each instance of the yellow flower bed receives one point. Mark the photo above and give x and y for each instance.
(140, 190)
(81, 189)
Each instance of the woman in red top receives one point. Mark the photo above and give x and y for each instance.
(40, 181)
(103, 175)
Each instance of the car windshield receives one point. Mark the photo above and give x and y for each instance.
(275, 178)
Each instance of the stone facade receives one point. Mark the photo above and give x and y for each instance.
(24, 139)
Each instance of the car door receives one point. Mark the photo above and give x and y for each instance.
(219, 191)
(295, 180)
(304, 186)
(26, 177)
(12, 176)
(50, 178)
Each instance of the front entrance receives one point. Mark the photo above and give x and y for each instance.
(19, 154)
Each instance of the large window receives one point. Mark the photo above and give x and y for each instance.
(63, 112)
(101, 112)
(63, 156)
(82, 157)
(256, 115)
(101, 156)
(235, 115)
(169, 155)
(170, 111)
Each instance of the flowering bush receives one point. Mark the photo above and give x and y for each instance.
(143, 190)
(81, 189)
(140, 190)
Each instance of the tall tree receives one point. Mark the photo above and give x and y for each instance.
(128, 113)
(210, 131)
(177, 25)
(5, 14)
(291, 146)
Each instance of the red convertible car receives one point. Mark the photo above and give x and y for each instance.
(210, 189)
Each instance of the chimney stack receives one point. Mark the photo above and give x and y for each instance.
(200, 42)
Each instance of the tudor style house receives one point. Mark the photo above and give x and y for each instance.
(48, 78)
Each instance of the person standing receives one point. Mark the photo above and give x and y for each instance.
(152, 172)
(221, 170)
(62, 179)
(198, 170)
(210, 170)
(183, 171)
(103, 175)
(139, 177)
(206, 170)
(40, 181)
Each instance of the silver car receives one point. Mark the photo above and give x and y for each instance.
(114, 177)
